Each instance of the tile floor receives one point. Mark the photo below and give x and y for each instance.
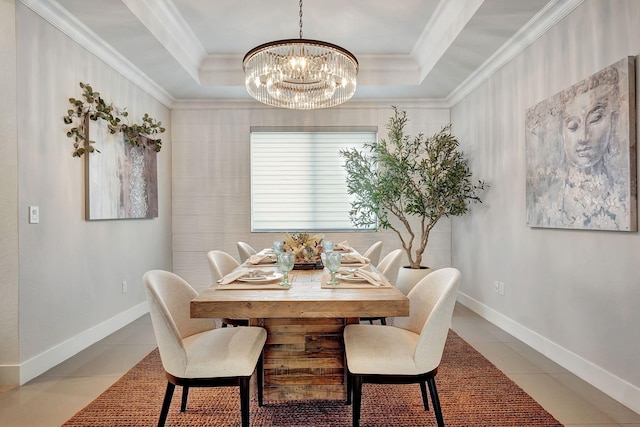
(56, 395)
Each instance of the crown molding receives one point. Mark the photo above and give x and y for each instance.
(446, 23)
(56, 15)
(164, 21)
(537, 26)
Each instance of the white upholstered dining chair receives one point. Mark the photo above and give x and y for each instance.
(373, 252)
(196, 354)
(221, 264)
(245, 250)
(389, 267)
(409, 351)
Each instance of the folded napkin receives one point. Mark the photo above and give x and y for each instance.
(365, 273)
(242, 272)
(261, 258)
(354, 258)
(342, 246)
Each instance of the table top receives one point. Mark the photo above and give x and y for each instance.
(305, 298)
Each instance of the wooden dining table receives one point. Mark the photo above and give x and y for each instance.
(304, 355)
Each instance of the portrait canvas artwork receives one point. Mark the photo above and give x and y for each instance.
(581, 154)
(122, 179)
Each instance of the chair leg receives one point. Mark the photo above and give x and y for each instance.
(185, 395)
(436, 402)
(166, 404)
(383, 321)
(349, 387)
(425, 398)
(357, 399)
(260, 380)
(244, 400)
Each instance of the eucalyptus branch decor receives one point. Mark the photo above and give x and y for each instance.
(95, 108)
(417, 180)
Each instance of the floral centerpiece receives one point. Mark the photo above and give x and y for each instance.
(306, 247)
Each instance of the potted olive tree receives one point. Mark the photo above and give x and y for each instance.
(407, 184)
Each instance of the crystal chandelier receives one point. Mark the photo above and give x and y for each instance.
(300, 74)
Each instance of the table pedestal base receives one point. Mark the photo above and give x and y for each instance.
(304, 358)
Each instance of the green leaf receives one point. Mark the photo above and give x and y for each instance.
(96, 108)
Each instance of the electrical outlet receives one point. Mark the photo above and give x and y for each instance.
(125, 287)
(498, 286)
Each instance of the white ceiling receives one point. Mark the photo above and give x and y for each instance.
(407, 49)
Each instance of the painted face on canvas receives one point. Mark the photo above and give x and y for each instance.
(586, 129)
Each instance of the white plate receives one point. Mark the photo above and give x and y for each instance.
(350, 278)
(261, 279)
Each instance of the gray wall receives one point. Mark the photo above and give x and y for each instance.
(69, 271)
(571, 294)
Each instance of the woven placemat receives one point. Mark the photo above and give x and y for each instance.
(351, 285)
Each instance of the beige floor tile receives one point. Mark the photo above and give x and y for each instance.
(566, 407)
(614, 410)
(49, 402)
(543, 362)
(101, 360)
(506, 359)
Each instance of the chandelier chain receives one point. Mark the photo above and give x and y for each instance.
(300, 19)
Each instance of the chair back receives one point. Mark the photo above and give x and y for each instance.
(245, 251)
(221, 264)
(431, 304)
(374, 252)
(390, 265)
(168, 296)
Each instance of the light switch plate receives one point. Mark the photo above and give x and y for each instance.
(34, 214)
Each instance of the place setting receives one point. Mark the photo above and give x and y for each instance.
(252, 278)
(350, 277)
(343, 247)
(353, 259)
(263, 258)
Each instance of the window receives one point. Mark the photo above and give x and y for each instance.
(297, 179)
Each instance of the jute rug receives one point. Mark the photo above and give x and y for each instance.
(473, 392)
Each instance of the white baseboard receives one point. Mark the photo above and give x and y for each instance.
(613, 386)
(61, 352)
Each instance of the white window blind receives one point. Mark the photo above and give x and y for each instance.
(298, 182)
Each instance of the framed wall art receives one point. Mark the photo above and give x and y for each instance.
(581, 154)
(121, 179)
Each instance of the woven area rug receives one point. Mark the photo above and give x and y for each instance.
(473, 392)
